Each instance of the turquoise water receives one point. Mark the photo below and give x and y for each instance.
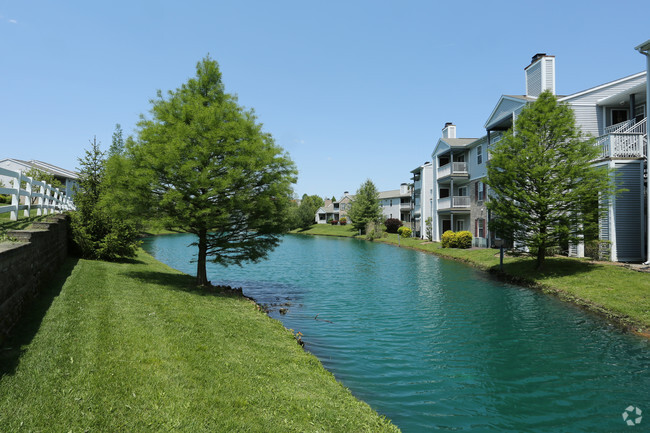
(435, 345)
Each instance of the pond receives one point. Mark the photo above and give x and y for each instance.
(436, 345)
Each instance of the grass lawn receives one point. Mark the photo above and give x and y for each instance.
(131, 347)
(613, 291)
(20, 224)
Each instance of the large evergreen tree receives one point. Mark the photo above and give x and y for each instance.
(210, 170)
(365, 208)
(544, 188)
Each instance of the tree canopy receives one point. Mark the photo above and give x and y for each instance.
(544, 187)
(208, 168)
(365, 208)
(97, 232)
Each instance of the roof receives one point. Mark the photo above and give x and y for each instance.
(458, 142)
(601, 86)
(48, 168)
(393, 193)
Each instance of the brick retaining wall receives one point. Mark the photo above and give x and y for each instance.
(28, 263)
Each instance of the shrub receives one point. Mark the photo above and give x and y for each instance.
(463, 239)
(598, 250)
(448, 239)
(429, 229)
(343, 221)
(334, 222)
(404, 232)
(392, 225)
(374, 230)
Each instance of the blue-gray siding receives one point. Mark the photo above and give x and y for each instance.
(629, 212)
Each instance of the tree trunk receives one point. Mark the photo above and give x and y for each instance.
(201, 274)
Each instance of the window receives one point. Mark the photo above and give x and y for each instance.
(479, 155)
(444, 192)
(480, 191)
(391, 203)
(460, 225)
(480, 228)
(462, 191)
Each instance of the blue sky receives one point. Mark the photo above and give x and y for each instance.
(351, 89)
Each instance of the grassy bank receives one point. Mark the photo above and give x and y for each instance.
(346, 231)
(131, 347)
(21, 224)
(615, 292)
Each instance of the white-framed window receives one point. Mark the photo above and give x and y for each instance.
(460, 225)
(462, 191)
(479, 154)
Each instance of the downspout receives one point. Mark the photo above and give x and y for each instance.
(644, 49)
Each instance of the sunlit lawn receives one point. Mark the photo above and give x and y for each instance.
(131, 347)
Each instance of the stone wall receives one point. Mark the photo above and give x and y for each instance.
(25, 265)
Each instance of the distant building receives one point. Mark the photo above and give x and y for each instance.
(66, 177)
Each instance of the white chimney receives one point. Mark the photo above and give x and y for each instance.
(449, 131)
(540, 75)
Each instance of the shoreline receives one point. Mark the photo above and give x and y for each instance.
(625, 323)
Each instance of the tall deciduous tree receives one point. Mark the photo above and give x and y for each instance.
(213, 172)
(544, 188)
(365, 208)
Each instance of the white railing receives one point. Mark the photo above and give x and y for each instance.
(452, 168)
(619, 127)
(458, 201)
(459, 167)
(621, 145)
(35, 194)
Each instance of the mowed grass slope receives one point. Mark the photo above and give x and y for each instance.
(130, 347)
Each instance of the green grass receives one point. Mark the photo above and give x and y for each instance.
(328, 230)
(20, 224)
(132, 347)
(613, 291)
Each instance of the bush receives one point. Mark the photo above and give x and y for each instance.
(448, 239)
(463, 239)
(392, 225)
(429, 229)
(334, 222)
(404, 232)
(598, 250)
(343, 221)
(374, 230)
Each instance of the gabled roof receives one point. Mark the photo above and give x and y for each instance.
(48, 168)
(505, 107)
(393, 193)
(457, 142)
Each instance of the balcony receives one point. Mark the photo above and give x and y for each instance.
(452, 169)
(624, 140)
(405, 205)
(455, 202)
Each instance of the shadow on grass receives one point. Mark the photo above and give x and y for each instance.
(24, 331)
(180, 282)
(554, 267)
(174, 281)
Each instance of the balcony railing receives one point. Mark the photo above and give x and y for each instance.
(452, 168)
(622, 145)
(455, 202)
